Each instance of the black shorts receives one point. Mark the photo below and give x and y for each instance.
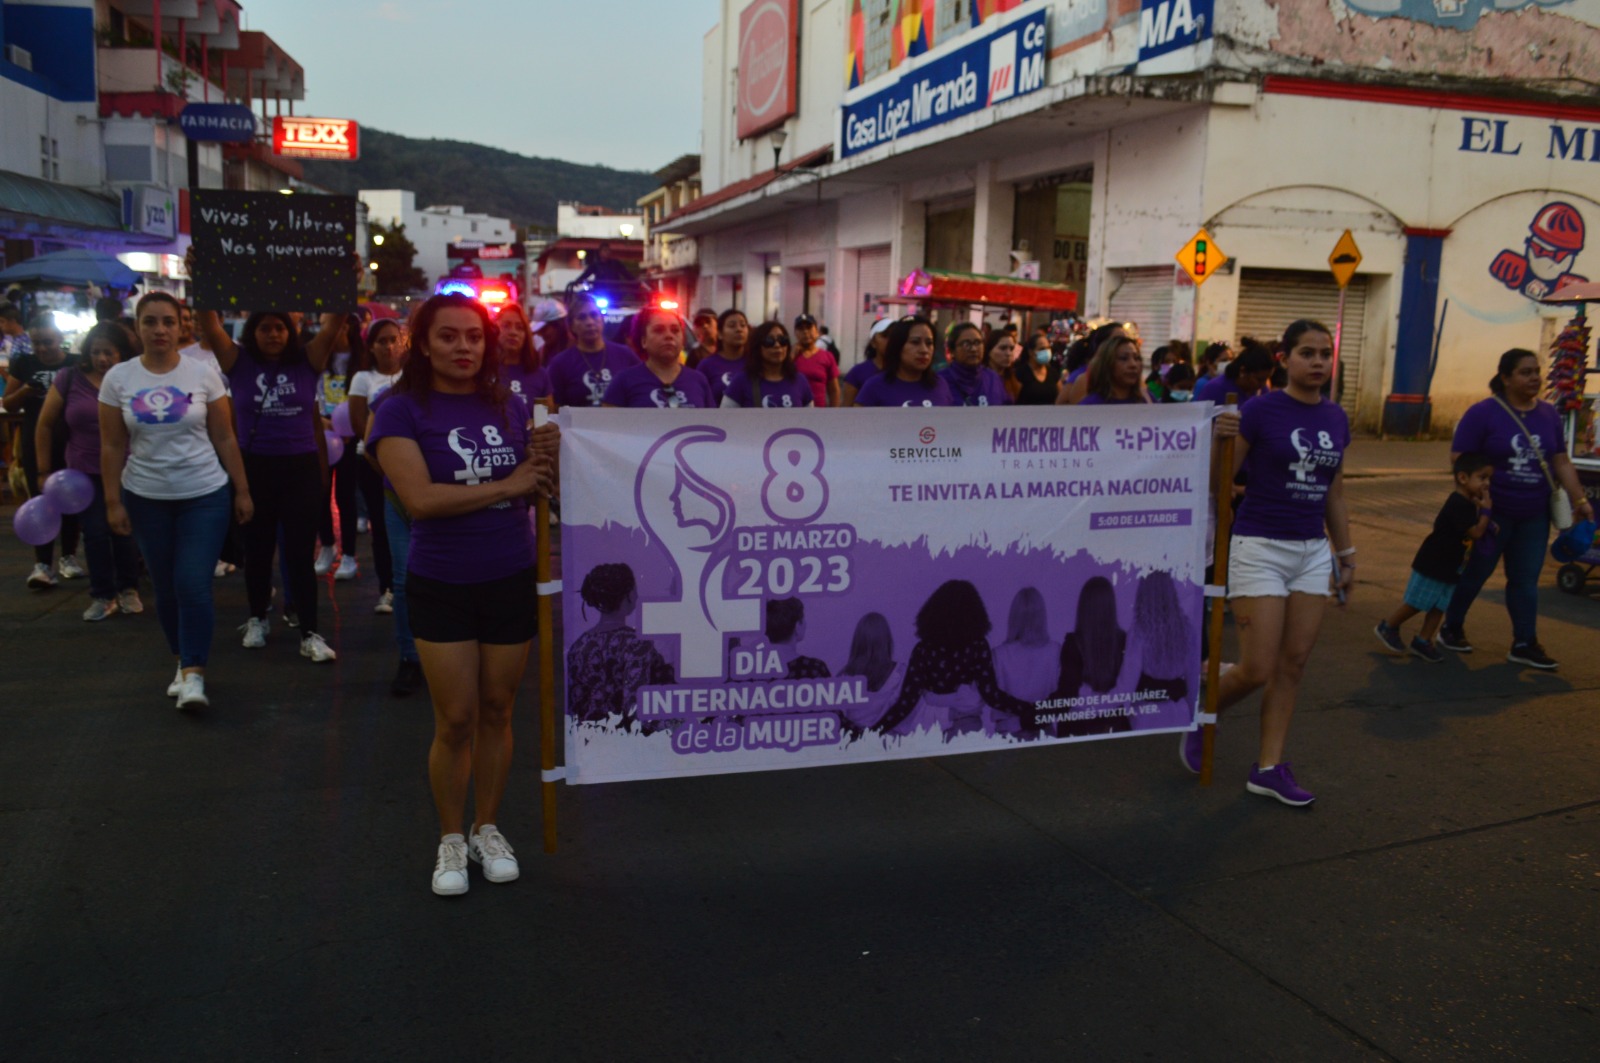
(500, 612)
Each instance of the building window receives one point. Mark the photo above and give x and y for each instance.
(474, 226)
(49, 159)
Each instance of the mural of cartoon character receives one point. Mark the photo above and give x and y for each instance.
(1555, 238)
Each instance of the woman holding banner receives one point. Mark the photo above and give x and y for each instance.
(1291, 445)
(971, 382)
(1115, 375)
(273, 378)
(459, 452)
(769, 379)
(167, 456)
(908, 378)
(661, 381)
(727, 363)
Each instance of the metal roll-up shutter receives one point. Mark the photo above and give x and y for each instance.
(873, 282)
(1269, 299)
(1144, 296)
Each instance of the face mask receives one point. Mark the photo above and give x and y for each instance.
(1041, 357)
(1181, 396)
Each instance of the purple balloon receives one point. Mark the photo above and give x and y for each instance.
(341, 420)
(37, 521)
(335, 446)
(69, 490)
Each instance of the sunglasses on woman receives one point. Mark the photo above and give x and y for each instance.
(775, 341)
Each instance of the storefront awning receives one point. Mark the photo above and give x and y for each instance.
(36, 204)
(944, 288)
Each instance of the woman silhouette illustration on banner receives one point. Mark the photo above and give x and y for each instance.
(692, 519)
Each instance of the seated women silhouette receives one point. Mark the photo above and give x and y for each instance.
(785, 630)
(872, 658)
(952, 653)
(1162, 641)
(608, 664)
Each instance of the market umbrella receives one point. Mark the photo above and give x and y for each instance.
(73, 267)
(1585, 292)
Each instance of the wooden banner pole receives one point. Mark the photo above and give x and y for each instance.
(547, 655)
(1219, 554)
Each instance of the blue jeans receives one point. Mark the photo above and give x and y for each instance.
(1522, 542)
(398, 527)
(113, 561)
(180, 540)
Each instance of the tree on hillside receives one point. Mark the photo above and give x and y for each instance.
(396, 259)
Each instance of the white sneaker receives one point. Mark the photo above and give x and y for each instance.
(41, 578)
(363, 525)
(489, 848)
(385, 603)
(192, 693)
(324, 561)
(314, 647)
(176, 686)
(222, 569)
(347, 568)
(255, 632)
(450, 870)
(99, 609)
(69, 568)
(128, 601)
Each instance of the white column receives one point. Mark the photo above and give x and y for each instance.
(993, 215)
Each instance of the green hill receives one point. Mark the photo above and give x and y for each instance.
(484, 180)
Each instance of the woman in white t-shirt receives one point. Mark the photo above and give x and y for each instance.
(385, 353)
(167, 456)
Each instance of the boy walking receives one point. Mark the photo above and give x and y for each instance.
(1462, 520)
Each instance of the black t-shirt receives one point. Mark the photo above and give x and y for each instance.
(35, 374)
(1036, 392)
(1444, 551)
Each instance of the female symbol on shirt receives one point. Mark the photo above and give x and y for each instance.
(160, 402)
(467, 450)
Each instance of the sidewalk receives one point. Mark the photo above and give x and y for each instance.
(1378, 457)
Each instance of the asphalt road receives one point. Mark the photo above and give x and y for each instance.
(252, 882)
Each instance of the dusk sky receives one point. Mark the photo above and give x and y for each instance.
(590, 81)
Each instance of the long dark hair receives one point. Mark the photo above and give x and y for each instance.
(953, 615)
(753, 364)
(871, 651)
(607, 586)
(1084, 348)
(1508, 365)
(1296, 329)
(293, 350)
(416, 378)
(528, 357)
(1098, 635)
(898, 334)
(1254, 357)
(1103, 364)
(360, 356)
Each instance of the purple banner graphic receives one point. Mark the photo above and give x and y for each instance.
(749, 590)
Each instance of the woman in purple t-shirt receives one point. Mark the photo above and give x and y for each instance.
(74, 397)
(1116, 375)
(1291, 443)
(274, 378)
(769, 379)
(520, 371)
(971, 383)
(908, 378)
(661, 381)
(726, 364)
(457, 448)
(1514, 430)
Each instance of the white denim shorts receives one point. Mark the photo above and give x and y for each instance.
(1276, 568)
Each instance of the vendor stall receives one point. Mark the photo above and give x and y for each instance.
(1576, 395)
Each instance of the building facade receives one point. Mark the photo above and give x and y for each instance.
(847, 142)
(435, 230)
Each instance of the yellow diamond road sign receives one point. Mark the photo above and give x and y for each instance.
(1345, 258)
(1200, 257)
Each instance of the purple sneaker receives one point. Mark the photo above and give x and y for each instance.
(1278, 782)
(1191, 749)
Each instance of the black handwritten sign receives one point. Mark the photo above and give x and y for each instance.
(269, 251)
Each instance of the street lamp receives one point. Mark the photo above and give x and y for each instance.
(626, 229)
(776, 138)
(373, 266)
(377, 239)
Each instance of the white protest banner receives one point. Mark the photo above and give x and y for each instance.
(746, 590)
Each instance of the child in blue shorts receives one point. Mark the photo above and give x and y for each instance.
(1462, 520)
